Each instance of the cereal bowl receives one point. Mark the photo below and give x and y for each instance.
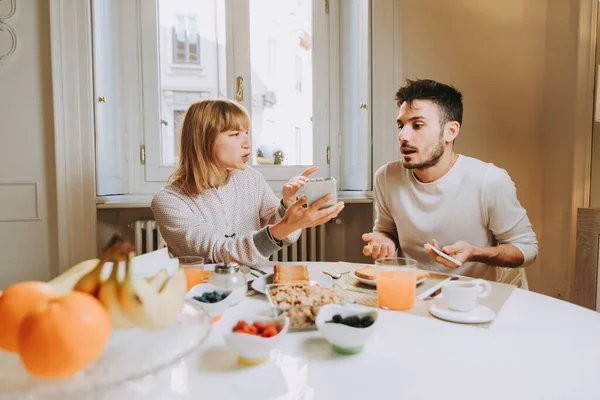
(252, 349)
(212, 309)
(344, 338)
(302, 303)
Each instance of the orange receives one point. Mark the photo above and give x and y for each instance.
(15, 303)
(65, 336)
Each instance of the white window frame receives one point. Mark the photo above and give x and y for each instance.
(340, 127)
(355, 136)
(143, 119)
(322, 103)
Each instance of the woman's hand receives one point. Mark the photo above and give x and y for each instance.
(298, 216)
(289, 190)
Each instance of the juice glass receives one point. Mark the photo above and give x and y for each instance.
(193, 267)
(396, 280)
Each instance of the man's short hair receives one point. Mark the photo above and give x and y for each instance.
(447, 98)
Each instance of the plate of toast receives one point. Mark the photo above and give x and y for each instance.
(291, 274)
(367, 274)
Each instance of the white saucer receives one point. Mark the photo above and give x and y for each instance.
(316, 278)
(373, 282)
(481, 314)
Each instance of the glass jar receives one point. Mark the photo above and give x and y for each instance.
(229, 276)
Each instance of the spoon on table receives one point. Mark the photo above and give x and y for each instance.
(335, 276)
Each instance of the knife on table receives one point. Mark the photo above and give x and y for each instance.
(260, 271)
(435, 289)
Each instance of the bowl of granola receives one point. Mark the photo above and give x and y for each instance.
(301, 303)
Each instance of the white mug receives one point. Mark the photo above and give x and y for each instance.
(465, 295)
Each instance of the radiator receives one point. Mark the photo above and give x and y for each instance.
(146, 236)
(309, 247)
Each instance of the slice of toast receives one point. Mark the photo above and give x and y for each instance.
(367, 272)
(290, 273)
(422, 274)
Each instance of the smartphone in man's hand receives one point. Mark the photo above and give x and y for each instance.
(443, 255)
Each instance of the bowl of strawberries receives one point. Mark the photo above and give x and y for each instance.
(253, 338)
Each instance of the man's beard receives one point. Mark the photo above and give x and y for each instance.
(432, 159)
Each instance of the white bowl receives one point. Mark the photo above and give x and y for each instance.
(252, 349)
(345, 339)
(212, 309)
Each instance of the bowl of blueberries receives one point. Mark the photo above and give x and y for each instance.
(212, 299)
(346, 327)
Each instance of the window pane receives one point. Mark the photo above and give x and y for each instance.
(179, 40)
(191, 63)
(281, 81)
(193, 40)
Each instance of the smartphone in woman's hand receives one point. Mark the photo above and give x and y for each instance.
(314, 189)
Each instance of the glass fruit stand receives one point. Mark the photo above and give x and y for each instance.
(130, 355)
(146, 327)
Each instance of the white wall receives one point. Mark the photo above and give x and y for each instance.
(28, 249)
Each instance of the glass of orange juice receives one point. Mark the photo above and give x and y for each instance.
(193, 267)
(396, 280)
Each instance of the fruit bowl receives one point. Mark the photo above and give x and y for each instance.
(214, 307)
(130, 355)
(252, 349)
(345, 338)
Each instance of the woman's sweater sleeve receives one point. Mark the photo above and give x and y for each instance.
(188, 234)
(272, 210)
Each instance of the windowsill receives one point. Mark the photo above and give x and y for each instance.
(143, 200)
(194, 68)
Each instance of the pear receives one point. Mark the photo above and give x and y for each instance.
(157, 281)
(107, 294)
(66, 281)
(152, 308)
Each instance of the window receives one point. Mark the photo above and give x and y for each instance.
(186, 40)
(279, 108)
(174, 104)
(280, 59)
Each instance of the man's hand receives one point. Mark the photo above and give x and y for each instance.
(461, 251)
(378, 245)
(289, 190)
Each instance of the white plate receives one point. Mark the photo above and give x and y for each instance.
(316, 278)
(481, 314)
(372, 282)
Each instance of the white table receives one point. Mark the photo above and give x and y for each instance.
(537, 348)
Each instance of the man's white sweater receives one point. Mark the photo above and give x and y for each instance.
(475, 201)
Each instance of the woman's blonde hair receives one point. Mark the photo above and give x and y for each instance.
(204, 120)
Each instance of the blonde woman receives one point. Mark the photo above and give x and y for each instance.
(215, 204)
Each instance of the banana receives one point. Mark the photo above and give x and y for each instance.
(66, 281)
(107, 294)
(116, 248)
(148, 307)
(90, 282)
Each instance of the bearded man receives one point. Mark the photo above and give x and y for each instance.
(433, 196)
